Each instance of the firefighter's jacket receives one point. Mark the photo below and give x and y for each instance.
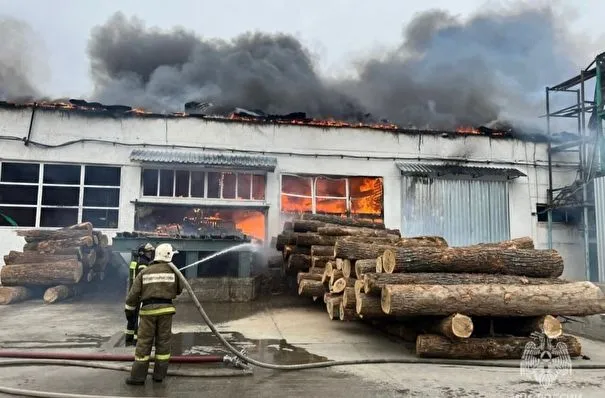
(136, 267)
(154, 288)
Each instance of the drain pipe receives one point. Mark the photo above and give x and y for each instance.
(84, 356)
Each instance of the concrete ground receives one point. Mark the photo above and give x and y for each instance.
(280, 330)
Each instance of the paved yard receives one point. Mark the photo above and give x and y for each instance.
(280, 330)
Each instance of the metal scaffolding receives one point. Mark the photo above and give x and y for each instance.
(588, 145)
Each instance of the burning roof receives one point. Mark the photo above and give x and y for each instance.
(258, 117)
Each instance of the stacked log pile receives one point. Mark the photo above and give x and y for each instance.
(54, 264)
(476, 302)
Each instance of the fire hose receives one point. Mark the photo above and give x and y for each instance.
(241, 360)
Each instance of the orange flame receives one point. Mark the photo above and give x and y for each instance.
(251, 223)
(467, 130)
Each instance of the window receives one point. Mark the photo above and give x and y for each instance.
(57, 195)
(331, 195)
(567, 216)
(203, 184)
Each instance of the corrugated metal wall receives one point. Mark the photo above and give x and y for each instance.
(464, 212)
(599, 197)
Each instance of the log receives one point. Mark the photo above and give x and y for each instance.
(517, 243)
(363, 267)
(310, 239)
(525, 262)
(34, 235)
(379, 264)
(325, 277)
(334, 276)
(400, 329)
(338, 263)
(340, 230)
(15, 294)
(348, 298)
(374, 282)
(435, 346)
(293, 249)
(308, 275)
(525, 326)
(102, 239)
(288, 226)
(102, 259)
(573, 298)
(47, 274)
(15, 257)
(311, 288)
(51, 246)
(307, 225)
(333, 307)
(346, 314)
(340, 284)
(368, 307)
(328, 295)
(358, 288)
(346, 221)
(322, 251)
(357, 250)
(347, 267)
(285, 238)
(60, 293)
(298, 262)
(454, 327)
(85, 225)
(320, 261)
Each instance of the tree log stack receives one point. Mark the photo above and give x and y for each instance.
(54, 264)
(484, 301)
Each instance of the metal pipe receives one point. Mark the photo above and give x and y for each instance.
(31, 123)
(549, 199)
(585, 176)
(91, 356)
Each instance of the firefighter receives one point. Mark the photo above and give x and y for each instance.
(153, 289)
(141, 259)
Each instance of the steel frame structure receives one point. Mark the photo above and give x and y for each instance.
(588, 145)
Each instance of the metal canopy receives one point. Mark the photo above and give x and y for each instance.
(444, 170)
(203, 158)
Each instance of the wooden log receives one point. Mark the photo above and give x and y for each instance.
(61, 292)
(333, 307)
(525, 326)
(52, 246)
(347, 267)
(328, 295)
(308, 275)
(338, 263)
(85, 225)
(285, 238)
(311, 239)
(311, 288)
(46, 274)
(573, 298)
(293, 249)
(103, 240)
(357, 250)
(330, 267)
(379, 264)
(525, 262)
(341, 230)
(298, 262)
(102, 259)
(362, 267)
(517, 243)
(454, 327)
(339, 285)
(15, 257)
(15, 294)
(307, 225)
(346, 221)
(374, 282)
(325, 277)
(35, 235)
(336, 275)
(348, 298)
(288, 226)
(435, 346)
(358, 288)
(322, 251)
(347, 314)
(368, 307)
(320, 261)
(400, 329)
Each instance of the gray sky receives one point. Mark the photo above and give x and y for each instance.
(337, 31)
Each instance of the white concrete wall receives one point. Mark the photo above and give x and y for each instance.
(298, 150)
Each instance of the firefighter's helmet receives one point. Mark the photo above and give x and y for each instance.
(148, 247)
(164, 253)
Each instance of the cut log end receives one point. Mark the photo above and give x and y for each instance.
(551, 327)
(310, 288)
(461, 326)
(388, 262)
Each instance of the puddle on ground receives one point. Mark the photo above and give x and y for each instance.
(265, 350)
(72, 341)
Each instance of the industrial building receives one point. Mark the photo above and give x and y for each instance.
(124, 170)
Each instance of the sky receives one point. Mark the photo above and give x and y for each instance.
(336, 31)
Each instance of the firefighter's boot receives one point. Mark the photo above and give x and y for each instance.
(138, 373)
(160, 370)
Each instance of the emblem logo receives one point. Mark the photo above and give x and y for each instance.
(545, 361)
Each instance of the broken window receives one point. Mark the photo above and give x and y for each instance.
(332, 195)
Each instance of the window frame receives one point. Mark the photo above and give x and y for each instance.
(314, 178)
(205, 198)
(81, 186)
